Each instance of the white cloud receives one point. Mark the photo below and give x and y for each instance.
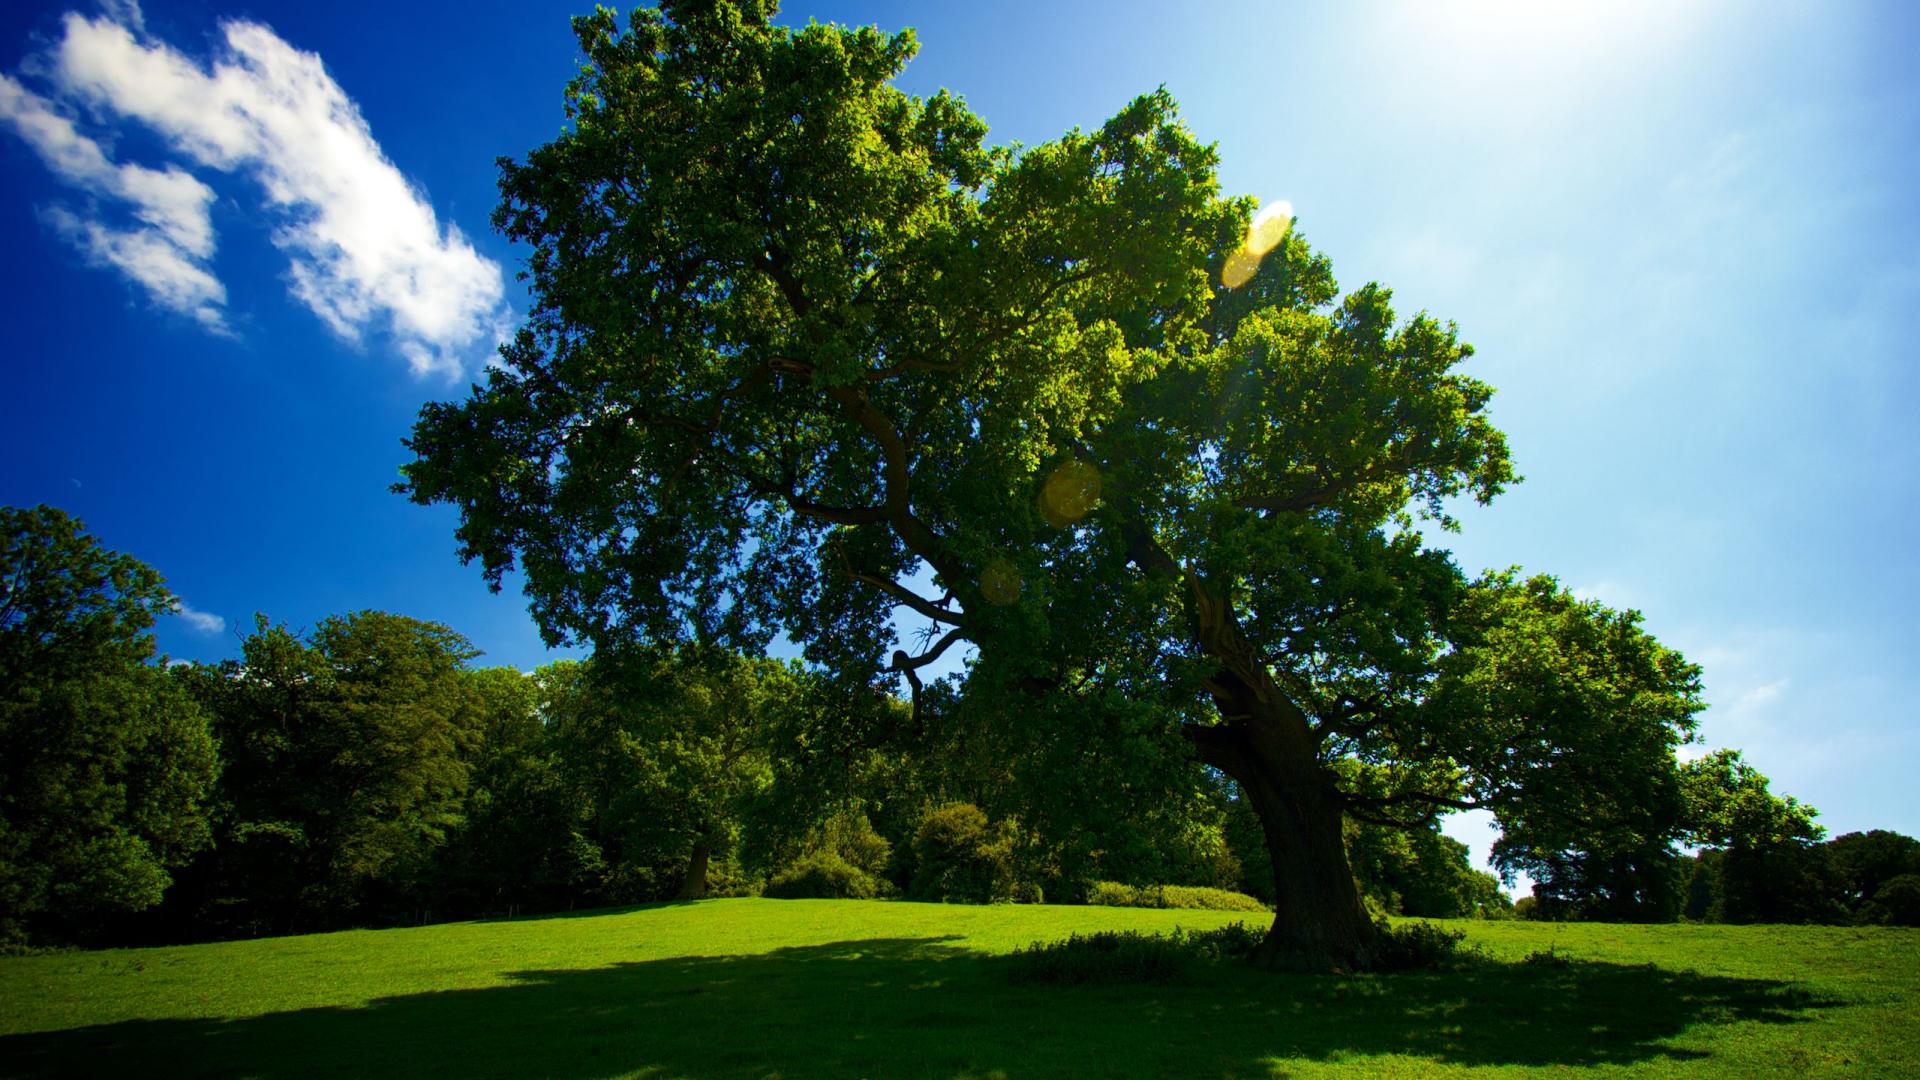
(167, 252)
(126, 13)
(170, 275)
(366, 251)
(199, 620)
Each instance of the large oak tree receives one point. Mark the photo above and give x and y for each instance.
(806, 352)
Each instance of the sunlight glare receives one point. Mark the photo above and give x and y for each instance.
(1268, 228)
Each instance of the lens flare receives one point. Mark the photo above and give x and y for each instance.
(1239, 268)
(1069, 493)
(1000, 583)
(1268, 228)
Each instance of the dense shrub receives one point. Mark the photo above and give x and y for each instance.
(1129, 956)
(959, 858)
(852, 835)
(825, 875)
(1188, 897)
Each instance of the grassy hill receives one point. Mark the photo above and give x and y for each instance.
(759, 988)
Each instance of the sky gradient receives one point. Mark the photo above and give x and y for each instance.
(247, 242)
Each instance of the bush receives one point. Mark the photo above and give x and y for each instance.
(1186, 897)
(852, 836)
(824, 875)
(958, 858)
(1129, 956)
(1420, 946)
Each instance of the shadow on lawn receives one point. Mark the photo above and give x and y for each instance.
(922, 1007)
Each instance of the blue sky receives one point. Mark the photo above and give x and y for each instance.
(246, 241)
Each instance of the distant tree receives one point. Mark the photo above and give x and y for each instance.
(1896, 902)
(520, 848)
(1763, 862)
(960, 856)
(1731, 805)
(669, 749)
(105, 763)
(347, 761)
(805, 351)
(702, 716)
(1865, 862)
(1568, 715)
(1421, 872)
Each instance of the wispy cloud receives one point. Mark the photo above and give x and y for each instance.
(166, 253)
(200, 620)
(366, 252)
(1759, 696)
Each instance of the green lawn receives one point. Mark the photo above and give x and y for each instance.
(758, 988)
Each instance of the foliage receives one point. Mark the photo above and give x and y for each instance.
(347, 757)
(844, 858)
(825, 875)
(1567, 715)
(1763, 864)
(958, 857)
(1896, 902)
(1421, 872)
(805, 351)
(1185, 897)
(1419, 946)
(1130, 956)
(520, 848)
(668, 753)
(106, 765)
(1730, 806)
(1867, 861)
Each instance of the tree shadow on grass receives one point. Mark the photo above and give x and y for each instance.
(925, 1007)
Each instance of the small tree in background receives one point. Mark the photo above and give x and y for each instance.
(1564, 717)
(1764, 862)
(958, 856)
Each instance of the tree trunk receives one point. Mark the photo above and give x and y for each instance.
(694, 887)
(1319, 923)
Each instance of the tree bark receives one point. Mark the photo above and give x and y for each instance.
(1319, 924)
(694, 886)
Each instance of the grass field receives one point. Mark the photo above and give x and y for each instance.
(759, 988)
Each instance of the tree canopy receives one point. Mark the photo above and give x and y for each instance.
(806, 352)
(347, 757)
(105, 762)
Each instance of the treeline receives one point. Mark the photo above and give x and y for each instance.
(1757, 857)
(365, 772)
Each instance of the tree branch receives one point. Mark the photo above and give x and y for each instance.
(909, 598)
(903, 664)
(837, 515)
